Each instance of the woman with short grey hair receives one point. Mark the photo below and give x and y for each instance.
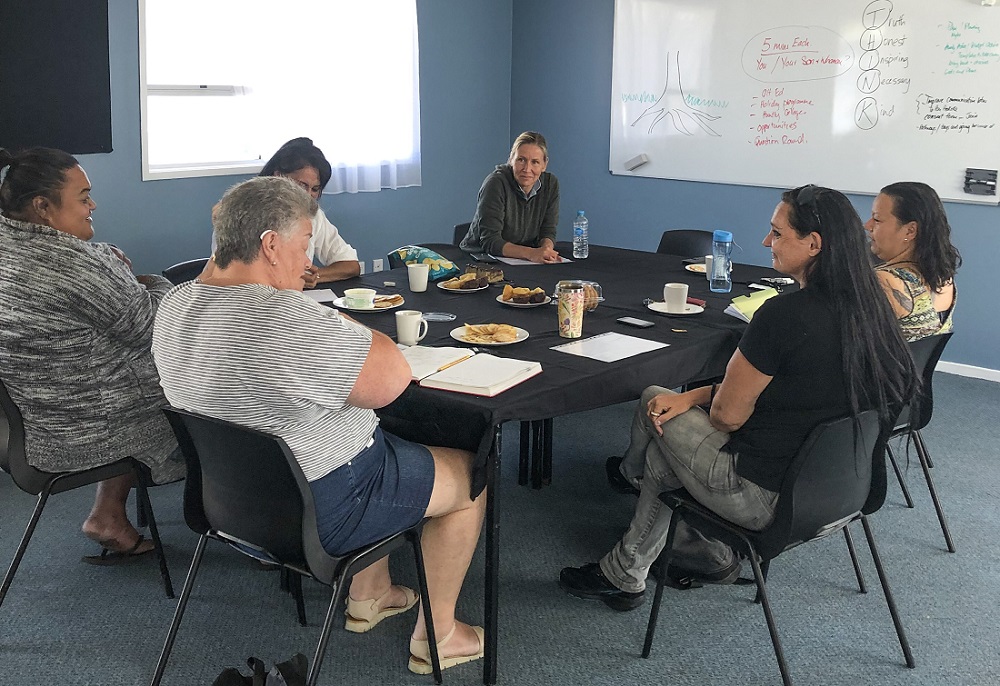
(243, 344)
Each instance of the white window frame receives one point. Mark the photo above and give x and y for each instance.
(347, 180)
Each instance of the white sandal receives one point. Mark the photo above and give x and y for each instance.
(364, 615)
(420, 653)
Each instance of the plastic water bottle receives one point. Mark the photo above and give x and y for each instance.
(722, 247)
(581, 244)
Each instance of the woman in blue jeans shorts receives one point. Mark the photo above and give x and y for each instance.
(830, 349)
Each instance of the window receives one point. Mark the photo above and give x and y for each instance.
(223, 83)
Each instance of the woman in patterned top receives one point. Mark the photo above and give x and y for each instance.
(75, 333)
(911, 237)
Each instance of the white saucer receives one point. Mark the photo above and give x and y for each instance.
(341, 304)
(688, 309)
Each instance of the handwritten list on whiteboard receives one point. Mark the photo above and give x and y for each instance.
(852, 95)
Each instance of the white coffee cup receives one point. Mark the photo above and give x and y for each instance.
(411, 327)
(708, 267)
(418, 274)
(360, 298)
(675, 296)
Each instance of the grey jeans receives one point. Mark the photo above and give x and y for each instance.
(689, 455)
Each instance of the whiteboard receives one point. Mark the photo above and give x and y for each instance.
(846, 94)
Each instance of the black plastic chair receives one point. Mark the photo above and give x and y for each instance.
(926, 353)
(461, 230)
(837, 477)
(13, 460)
(185, 271)
(245, 488)
(686, 242)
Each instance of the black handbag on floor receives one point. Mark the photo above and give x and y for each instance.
(288, 673)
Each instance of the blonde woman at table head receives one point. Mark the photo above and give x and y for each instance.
(518, 209)
(911, 237)
(809, 356)
(75, 330)
(244, 344)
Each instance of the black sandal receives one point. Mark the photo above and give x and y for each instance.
(110, 557)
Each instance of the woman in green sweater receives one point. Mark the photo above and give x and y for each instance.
(518, 208)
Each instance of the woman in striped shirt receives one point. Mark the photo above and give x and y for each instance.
(242, 343)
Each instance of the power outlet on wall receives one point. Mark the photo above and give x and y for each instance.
(376, 265)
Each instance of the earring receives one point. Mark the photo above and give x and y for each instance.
(274, 264)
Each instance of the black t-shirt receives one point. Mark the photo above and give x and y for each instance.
(794, 338)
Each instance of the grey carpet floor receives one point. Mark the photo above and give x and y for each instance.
(65, 622)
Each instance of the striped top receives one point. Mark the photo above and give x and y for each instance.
(272, 360)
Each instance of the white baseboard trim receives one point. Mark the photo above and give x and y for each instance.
(968, 370)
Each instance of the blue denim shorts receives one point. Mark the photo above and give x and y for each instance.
(383, 490)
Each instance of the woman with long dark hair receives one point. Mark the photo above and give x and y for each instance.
(911, 237)
(830, 349)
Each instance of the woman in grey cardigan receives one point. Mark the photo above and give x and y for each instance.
(75, 334)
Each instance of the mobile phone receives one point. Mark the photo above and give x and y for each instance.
(632, 321)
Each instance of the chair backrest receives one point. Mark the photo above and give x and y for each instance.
(926, 353)
(13, 458)
(185, 271)
(685, 242)
(461, 230)
(827, 483)
(246, 485)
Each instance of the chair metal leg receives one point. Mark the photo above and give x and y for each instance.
(925, 465)
(175, 623)
(425, 601)
(525, 446)
(889, 600)
(854, 560)
(324, 635)
(8, 578)
(492, 562)
(772, 627)
(295, 588)
(140, 514)
(766, 565)
(144, 505)
(899, 476)
(660, 567)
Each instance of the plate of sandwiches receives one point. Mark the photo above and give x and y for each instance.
(523, 297)
(489, 334)
(382, 302)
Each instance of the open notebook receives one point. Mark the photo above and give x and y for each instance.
(459, 370)
(745, 306)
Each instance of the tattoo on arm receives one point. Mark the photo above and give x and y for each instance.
(903, 299)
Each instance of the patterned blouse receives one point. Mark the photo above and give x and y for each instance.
(75, 335)
(923, 320)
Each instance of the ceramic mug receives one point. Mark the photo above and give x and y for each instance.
(411, 327)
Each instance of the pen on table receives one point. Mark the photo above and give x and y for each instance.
(452, 364)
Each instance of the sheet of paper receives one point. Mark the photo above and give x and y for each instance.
(514, 261)
(321, 295)
(609, 347)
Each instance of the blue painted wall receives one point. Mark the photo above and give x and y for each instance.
(561, 86)
(465, 123)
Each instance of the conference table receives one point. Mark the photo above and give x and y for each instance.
(698, 348)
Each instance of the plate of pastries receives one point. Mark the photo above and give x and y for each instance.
(514, 296)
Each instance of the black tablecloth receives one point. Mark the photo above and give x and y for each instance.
(699, 345)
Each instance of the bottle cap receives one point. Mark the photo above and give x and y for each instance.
(723, 236)
(579, 213)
